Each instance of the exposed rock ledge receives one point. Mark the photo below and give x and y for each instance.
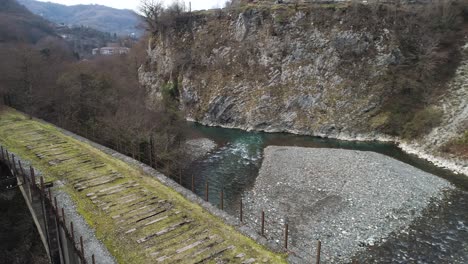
(347, 199)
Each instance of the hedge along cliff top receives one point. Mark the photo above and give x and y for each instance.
(139, 219)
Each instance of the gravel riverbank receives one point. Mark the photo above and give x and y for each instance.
(197, 148)
(347, 199)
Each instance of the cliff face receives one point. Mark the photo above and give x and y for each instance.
(322, 70)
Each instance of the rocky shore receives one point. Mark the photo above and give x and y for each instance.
(347, 199)
(421, 148)
(199, 147)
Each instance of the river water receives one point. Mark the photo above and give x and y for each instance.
(440, 236)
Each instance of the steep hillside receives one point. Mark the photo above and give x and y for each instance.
(19, 24)
(337, 70)
(318, 69)
(103, 18)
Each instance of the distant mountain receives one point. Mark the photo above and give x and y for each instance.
(123, 22)
(18, 24)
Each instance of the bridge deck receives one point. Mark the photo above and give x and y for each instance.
(138, 218)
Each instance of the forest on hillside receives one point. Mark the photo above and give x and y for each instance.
(99, 98)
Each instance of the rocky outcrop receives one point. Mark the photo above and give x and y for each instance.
(306, 71)
(277, 72)
(454, 105)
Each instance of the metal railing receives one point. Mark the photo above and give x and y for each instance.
(59, 237)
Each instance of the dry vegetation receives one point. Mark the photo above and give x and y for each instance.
(458, 146)
(428, 37)
(100, 98)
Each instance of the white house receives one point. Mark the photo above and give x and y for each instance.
(110, 51)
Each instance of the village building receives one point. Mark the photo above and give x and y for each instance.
(110, 51)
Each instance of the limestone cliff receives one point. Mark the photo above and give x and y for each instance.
(334, 70)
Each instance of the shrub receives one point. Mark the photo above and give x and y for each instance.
(458, 146)
(463, 140)
(422, 123)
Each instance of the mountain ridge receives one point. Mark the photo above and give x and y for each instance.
(122, 22)
(19, 24)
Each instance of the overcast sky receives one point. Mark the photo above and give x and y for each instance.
(134, 4)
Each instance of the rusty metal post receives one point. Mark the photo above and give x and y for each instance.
(222, 199)
(319, 249)
(241, 212)
(57, 223)
(263, 223)
(93, 260)
(180, 177)
(82, 247)
(286, 233)
(13, 164)
(153, 155)
(42, 186)
(72, 231)
(206, 191)
(8, 158)
(193, 183)
(33, 177)
(150, 153)
(42, 196)
(32, 183)
(22, 171)
(63, 218)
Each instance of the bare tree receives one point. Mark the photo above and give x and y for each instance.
(151, 10)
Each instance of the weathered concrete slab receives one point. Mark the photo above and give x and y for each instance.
(347, 199)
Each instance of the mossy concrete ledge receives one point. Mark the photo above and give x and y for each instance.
(139, 214)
